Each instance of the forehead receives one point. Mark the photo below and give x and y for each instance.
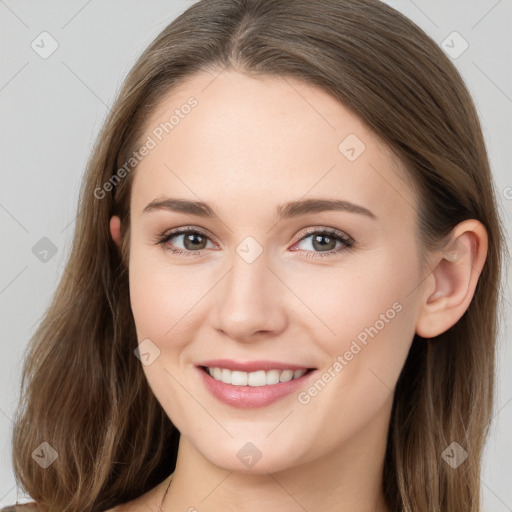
(265, 140)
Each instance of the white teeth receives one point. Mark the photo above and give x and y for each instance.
(255, 379)
(225, 376)
(273, 376)
(286, 376)
(298, 373)
(239, 378)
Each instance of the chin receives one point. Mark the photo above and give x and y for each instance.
(240, 455)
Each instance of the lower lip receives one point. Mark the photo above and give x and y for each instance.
(251, 396)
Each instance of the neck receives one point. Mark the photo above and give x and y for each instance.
(348, 478)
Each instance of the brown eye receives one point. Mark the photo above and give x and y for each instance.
(324, 242)
(192, 240)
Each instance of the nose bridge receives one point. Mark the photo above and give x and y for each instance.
(248, 280)
(249, 298)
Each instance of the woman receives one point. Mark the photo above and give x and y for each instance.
(331, 343)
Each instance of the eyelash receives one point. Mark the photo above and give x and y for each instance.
(334, 233)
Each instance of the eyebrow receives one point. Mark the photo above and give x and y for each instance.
(285, 211)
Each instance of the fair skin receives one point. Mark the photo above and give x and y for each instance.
(249, 146)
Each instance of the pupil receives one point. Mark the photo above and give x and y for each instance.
(320, 245)
(192, 238)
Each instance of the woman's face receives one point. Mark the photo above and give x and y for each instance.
(257, 283)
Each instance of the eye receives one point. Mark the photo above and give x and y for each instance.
(194, 240)
(323, 242)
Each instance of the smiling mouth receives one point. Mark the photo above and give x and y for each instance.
(257, 378)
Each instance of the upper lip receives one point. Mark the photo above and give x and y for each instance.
(251, 366)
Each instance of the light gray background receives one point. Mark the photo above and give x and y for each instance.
(52, 109)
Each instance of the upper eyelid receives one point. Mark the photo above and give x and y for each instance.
(186, 229)
(322, 229)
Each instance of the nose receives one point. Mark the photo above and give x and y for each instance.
(250, 301)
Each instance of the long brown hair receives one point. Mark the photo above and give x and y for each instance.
(84, 392)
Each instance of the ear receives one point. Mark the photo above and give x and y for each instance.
(115, 230)
(451, 285)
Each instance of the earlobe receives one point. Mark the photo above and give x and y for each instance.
(455, 277)
(115, 230)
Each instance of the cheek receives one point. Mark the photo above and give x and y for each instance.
(345, 303)
(153, 295)
(162, 305)
(162, 297)
(367, 328)
(364, 323)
